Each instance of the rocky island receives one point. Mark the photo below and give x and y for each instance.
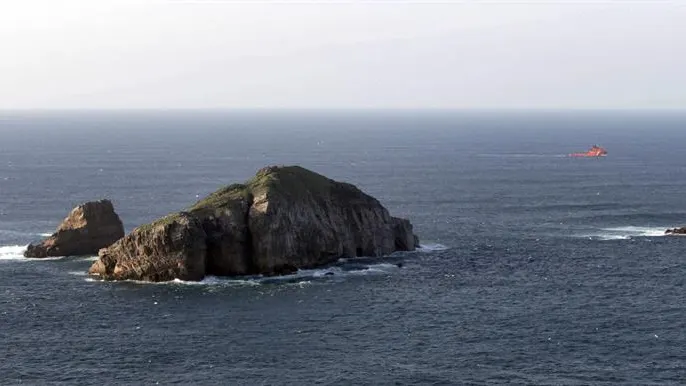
(676, 231)
(88, 228)
(283, 219)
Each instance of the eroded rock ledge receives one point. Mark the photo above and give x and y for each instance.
(283, 219)
(676, 231)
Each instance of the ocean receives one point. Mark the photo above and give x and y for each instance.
(535, 268)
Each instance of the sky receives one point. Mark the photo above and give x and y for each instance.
(176, 54)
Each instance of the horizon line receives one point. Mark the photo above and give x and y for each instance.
(334, 109)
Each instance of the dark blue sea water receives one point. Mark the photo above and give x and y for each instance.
(536, 268)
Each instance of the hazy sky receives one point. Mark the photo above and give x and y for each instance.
(342, 54)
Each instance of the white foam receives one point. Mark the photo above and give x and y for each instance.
(299, 283)
(300, 278)
(214, 280)
(626, 233)
(640, 231)
(16, 252)
(383, 266)
(432, 247)
(321, 272)
(12, 252)
(208, 280)
(610, 237)
(47, 258)
(340, 272)
(24, 234)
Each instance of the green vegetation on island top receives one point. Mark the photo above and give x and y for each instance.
(292, 180)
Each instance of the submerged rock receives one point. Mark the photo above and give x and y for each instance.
(676, 231)
(88, 228)
(283, 219)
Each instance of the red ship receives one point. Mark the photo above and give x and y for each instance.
(596, 151)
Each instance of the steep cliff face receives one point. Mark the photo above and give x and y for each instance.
(224, 218)
(283, 219)
(87, 228)
(173, 247)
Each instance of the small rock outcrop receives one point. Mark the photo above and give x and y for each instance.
(676, 231)
(283, 219)
(88, 228)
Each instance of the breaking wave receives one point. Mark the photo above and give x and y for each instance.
(432, 247)
(10, 232)
(12, 252)
(301, 277)
(345, 267)
(626, 233)
(16, 252)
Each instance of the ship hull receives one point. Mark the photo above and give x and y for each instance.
(596, 151)
(584, 155)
